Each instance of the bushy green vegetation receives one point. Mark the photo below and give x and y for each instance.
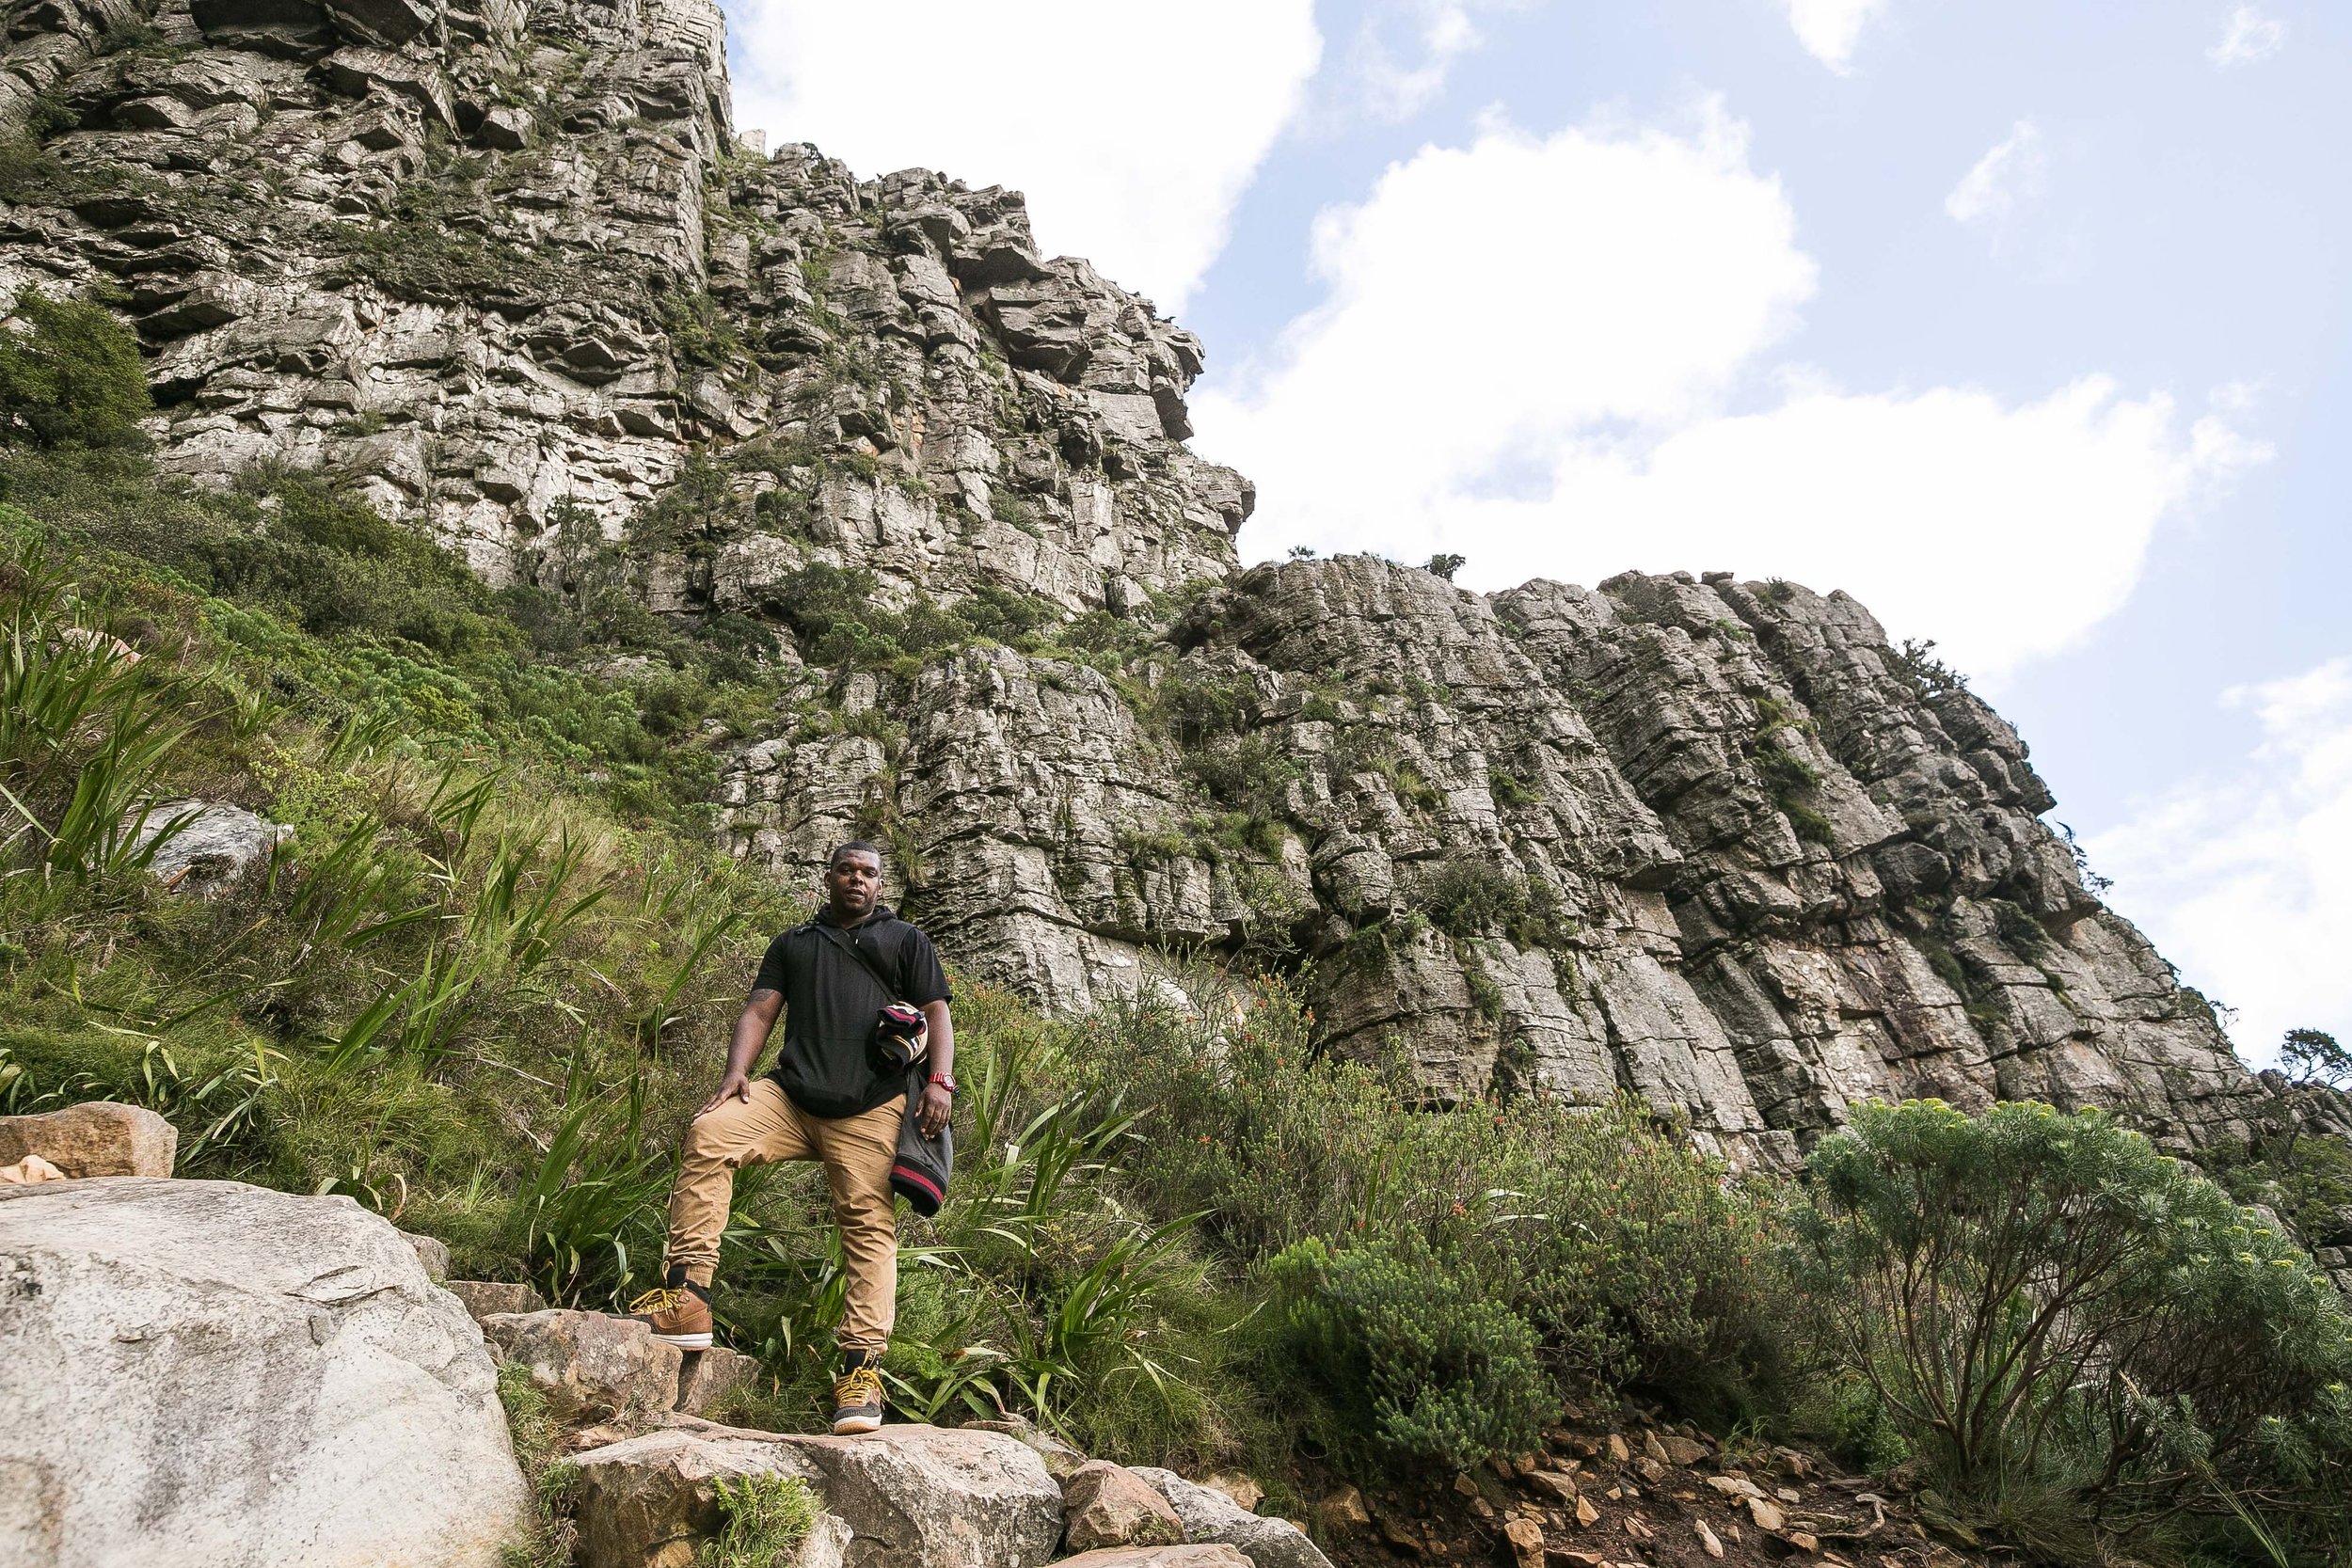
(1410, 1371)
(766, 1516)
(2074, 1333)
(437, 245)
(70, 378)
(1471, 897)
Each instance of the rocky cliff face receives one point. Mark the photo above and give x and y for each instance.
(506, 270)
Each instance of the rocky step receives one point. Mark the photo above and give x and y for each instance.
(998, 1494)
(595, 1369)
(922, 1497)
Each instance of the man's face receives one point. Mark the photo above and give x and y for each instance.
(854, 882)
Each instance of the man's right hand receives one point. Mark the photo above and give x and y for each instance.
(738, 1086)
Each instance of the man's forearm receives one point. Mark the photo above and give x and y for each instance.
(750, 1032)
(942, 1039)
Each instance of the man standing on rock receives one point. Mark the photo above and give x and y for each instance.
(832, 1099)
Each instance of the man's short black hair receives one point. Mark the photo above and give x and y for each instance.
(855, 846)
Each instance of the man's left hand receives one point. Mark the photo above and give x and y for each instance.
(932, 1114)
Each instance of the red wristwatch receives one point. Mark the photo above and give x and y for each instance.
(943, 1082)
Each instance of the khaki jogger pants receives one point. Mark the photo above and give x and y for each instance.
(766, 1129)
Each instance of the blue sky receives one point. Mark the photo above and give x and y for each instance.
(2024, 323)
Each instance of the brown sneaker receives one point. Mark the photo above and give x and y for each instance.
(677, 1314)
(857, 1401)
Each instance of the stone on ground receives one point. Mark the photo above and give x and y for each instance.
(1682, 1451)
(208, 1372)
(485, 1298)
(432, 1255)
(97, 1137)
(214, 847)
(31, 1169)
(1107, 1505)
(1214, 1517)
(709, 1376)
(1157, 1557)
(1244, 1493)
(646, 1503)
(590, 1366)
(1344, 1510)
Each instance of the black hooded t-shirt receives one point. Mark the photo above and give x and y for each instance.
(827, 1064)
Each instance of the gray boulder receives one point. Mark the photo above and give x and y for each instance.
(1214, 1517)
(215, 845)
(923, 1496)
(208, 1373)
(645, 1502)
(912, 1497)
(590, 1366)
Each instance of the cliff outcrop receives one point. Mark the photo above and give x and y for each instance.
(508, 273)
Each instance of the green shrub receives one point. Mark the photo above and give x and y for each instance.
(73, 378)
(549, 1536)
(434, 247)
(1471, 896)
(767, 1517)
(1418, 1372)
(1631, 1255)
(2043, 1304)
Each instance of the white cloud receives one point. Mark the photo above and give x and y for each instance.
(1133, 130)
(1384, 80)
(2015, 171)
(1531, 353)
(2243, 879)
(2246, 37)
(1829, 29)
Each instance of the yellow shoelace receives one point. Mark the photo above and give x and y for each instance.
(857, 1386)
(662, 1300)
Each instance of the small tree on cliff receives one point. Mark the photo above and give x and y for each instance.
(69, 376)
(2311, 1057)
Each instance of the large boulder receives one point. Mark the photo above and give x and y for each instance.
(211, 846)
(98, 1137)
(1214, 1517)
(592, 1367)
(922, 1497)
(648, 1501)
(208, 1373)
(925, 1496)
